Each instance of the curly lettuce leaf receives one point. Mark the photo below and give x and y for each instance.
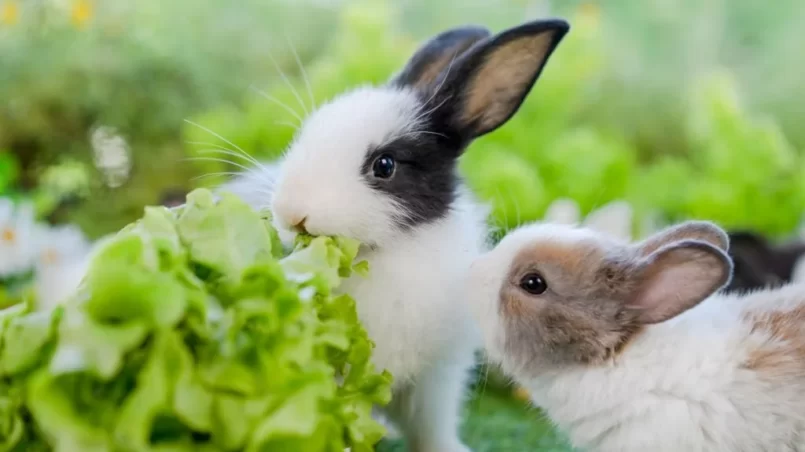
(192, 330)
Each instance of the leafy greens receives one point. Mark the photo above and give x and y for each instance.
(192, 330)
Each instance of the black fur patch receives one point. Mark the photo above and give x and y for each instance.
(425, 181)
(760, 264)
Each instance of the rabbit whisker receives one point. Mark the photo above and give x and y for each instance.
(516, 205)
(281, 104)
(505, 222)
(424, 114)
(438, 88)
(248, 159)
(289, 84)
(420, 132)
(241, 153)
(219, 173)
(213, 159)
(217, 135)
(305, 78)
(288, 124)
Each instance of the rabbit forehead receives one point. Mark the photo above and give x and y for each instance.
(345, 129)
(514, 250)
(566, 235)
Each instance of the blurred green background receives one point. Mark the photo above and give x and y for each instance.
(683, 108)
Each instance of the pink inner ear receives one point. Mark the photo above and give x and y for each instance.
(676, 280)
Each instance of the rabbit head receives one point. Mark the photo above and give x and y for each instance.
(550, 296)
(380, 161)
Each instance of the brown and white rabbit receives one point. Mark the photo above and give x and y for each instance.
(379, 164)
(631, 347)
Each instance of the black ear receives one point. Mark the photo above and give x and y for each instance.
(751, 248)
(488, 83)
(757, 261)
(750, 274)
(748, 240)
(436, 55)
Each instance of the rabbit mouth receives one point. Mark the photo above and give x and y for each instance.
(288, 238)
(366, 249)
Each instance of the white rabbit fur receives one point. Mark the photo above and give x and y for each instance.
(727, 375)
(419, 226)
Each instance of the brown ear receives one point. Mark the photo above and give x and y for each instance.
(703, 231)
(436, 55)
(677, 277)
(490, 81)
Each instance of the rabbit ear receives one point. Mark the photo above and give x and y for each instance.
(676, 277)
(436, 55)
(613, 219)
(562, 211)
(702, 231)
(488, 83)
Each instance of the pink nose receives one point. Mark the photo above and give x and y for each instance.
(298, 224)
(293, 220)
(290, 214)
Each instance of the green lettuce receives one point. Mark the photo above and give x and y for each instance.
(194, 330)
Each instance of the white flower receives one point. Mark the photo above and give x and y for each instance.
(61, 263)
(61, 244)
(18, 238)
(112, 155)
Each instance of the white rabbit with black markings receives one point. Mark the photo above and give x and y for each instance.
(631, 347)
(379, 164)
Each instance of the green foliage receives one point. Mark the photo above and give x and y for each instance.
(494, 422)
(9, 171)
(129, 66)
(140, 68)
(193, 331)
(266, 123)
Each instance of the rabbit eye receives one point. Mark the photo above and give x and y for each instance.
(534, 284)
(384, 166)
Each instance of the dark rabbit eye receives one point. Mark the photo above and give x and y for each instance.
(533, 283)
(384, 166)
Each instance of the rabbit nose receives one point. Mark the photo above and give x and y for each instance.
(299, 225)
(294, 220)
(290, 215)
